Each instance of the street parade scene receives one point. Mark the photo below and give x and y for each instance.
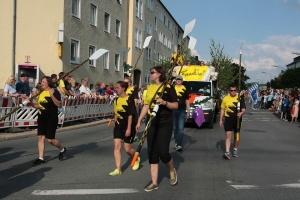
(149, 99)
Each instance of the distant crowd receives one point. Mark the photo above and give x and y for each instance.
(283, 102)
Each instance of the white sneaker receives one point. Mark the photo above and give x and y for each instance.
(175, 146)
(179, 148)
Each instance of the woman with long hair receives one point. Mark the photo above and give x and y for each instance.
(10, 87)
(160, 131)
(124, 127)
(48, 102)
(133, 93)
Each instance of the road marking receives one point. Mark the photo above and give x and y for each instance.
(291, 185)
(264, 120)
(83, 191)
(245, 187)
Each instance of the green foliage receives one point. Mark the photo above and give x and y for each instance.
(287, 79)
(197, 103)
(223, 65)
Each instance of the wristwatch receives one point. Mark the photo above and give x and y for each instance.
(166, 103)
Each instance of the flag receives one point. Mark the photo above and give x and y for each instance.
(253, 91)
(198, 116)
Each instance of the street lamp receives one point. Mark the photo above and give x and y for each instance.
(262, 78)
(277, 66)
(270, 76)
(259, 80)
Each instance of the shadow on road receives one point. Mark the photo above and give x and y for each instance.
(16, 183)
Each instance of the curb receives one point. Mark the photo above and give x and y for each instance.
(14, 136)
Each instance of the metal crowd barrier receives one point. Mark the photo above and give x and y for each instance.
(74, 108)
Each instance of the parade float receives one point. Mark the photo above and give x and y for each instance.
(201, 84)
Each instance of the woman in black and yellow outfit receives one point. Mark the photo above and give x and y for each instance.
(160, 131)
(124, 129)
(133, 94)
(47, 103)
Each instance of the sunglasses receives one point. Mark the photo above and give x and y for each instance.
(178, 79)
(232, 90)
(153, 72)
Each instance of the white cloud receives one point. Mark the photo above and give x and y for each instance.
(195, 53)
(275, 50)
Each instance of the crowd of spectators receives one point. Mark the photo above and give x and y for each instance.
(283, 102)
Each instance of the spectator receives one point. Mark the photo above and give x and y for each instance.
(97, 87)
(295, 110)
(22, 86)
(284, 107)
(76, 90)
(102, 89)
(61, 84)
(84, 88)
(36, 89)
(10, 87)
(68, 85)
(202, 63)
(54, 79)
(110, 89)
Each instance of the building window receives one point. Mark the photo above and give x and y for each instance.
(138, 38)
(154, 42)
(147, 77)
(149, 28)
(155, 23)
(139, 9)
(107, 22)
(117, 62)
(150, 5)
(92, 49)
(76, 8)
(160, 37)
(148, 53)
(75, 45)
(161, 15)
(119, 1)
(93, 15)
(106, 60)
(118, 28)
(176, 32)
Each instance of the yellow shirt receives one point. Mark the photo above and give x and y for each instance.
(61, 85)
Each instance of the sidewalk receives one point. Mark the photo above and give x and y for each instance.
(32, 133)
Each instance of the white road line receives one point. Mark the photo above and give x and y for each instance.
(264, 120)
(250, 120)
(245, 187)
(291, 185)
(83, 191)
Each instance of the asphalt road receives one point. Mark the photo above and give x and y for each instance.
(267, 167)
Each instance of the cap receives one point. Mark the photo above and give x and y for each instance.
(23, 75)
(179, 77)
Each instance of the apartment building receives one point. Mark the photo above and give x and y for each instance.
(294, 64)
(49, 36)
(55, 35)
(151, 18)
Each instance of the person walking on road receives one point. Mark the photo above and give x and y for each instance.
(133, 94)
(182, 113)
(229, 109)
(124, 109)
(47, 103)
(160, 131)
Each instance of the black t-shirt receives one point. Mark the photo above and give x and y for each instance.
(123, 107)
(132, 92)
(67, 85)
(47, 106)
(163, 114)
(182, 96)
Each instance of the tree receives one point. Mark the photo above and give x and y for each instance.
(223, 65)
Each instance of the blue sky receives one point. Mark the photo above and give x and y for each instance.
(269, 29)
